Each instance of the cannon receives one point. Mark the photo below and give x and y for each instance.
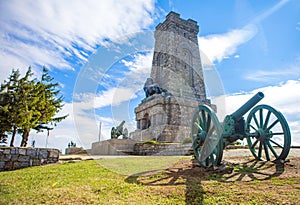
(265, 129)
(119, 130)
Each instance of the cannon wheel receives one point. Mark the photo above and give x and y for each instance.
(113, 133)
(206, 137)
(272, 139)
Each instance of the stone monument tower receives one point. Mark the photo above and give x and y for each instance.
(176, 85)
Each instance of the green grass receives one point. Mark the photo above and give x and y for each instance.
(80, 183)
(140, 165)
(244, 169)
(105, 182)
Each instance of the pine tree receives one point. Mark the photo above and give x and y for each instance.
(43, 104)
(9, 108)
(27, 104)
(49, 103)
(4, 125)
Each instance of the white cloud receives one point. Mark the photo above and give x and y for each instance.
(80, 127)
(84, 127)
(291, 71)
(139, 71)
(219, 46)
(283, 97)
(86, 118)
(141, 64)
(124, 88)
(114, 97)
(82, 124)
(50, 32)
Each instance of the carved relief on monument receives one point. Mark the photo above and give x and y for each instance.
(163, 59)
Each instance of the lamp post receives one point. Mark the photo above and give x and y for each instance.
(99, 137)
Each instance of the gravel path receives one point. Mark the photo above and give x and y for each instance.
(246, 152)
(227, 153)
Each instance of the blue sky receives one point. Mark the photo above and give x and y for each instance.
(250, 45)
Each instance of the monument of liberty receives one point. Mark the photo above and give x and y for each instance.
(173, 91)
(176, 85)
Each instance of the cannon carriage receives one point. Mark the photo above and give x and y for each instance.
(265, 129)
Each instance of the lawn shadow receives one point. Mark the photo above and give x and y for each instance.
(252, 170)
(184, 173)
(189, 174)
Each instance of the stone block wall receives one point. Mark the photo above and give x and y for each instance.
(12, 158)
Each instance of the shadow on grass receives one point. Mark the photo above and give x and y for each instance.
(188, 174)
(253, 170)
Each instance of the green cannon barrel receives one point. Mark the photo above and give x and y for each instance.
(237, 115)
(120, 126)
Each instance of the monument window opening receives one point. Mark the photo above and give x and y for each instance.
(145, 122)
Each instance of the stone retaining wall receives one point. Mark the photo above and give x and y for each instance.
(12, 158)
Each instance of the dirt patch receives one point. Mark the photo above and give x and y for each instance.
(238, 180)
(238, 169)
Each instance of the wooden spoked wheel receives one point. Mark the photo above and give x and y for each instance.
(206, 137)
(269, 136)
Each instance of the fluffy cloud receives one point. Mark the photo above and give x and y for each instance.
(216, 47)
(87, 107)
(83, 127)
(82, 124)
(125, 84)
(219, 46)
(59, 33)
(282, 97)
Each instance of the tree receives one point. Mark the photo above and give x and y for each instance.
(4, 127)
(44, 104)
(29, 104)
(9, 108)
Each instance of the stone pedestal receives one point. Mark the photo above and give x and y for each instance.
(169, 118)
(113, 147)
(75, 150)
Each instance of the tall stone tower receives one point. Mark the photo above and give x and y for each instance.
(176, 85)
(176, 63)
